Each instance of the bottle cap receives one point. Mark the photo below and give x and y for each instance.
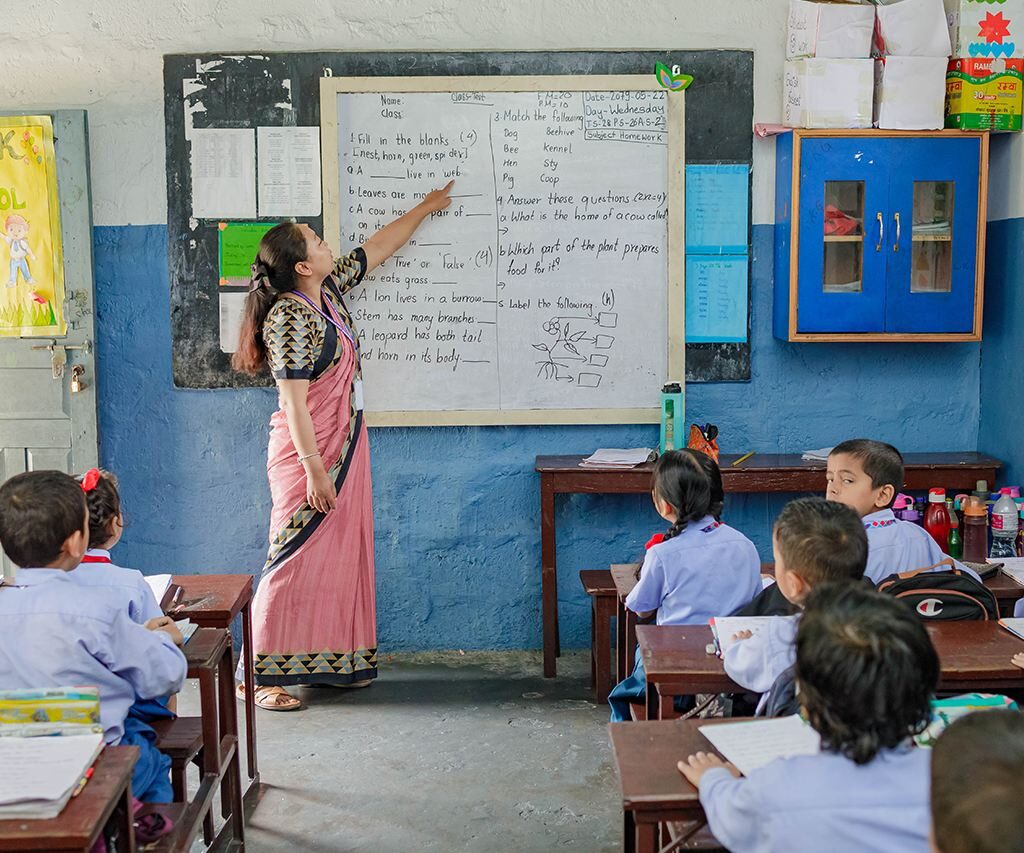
(903, 502)
(936, 496)
(1006, 490)
(981, 486)
(671, 388)
(975, 508)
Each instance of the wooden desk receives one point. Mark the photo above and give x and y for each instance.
(598, 585)
(763, 473)
(1006, 590)
(213, 601)
(624, 577)
(653, 790)
(210, 660)
(108, 794)
(974, 656)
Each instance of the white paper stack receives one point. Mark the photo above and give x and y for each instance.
(616, 457)
(817, 455)
(829, 93)
(41, 773)
(1012, 567)
(750, 745)
(829, 30)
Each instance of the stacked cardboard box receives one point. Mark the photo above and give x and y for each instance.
(985, 77)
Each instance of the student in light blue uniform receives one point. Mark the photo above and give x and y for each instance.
(59, 633)
(105, 526)
(866, 671)
(699, 569)
(814, 541)
(866, 475)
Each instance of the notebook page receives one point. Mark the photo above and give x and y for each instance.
(750, 745)
(725, 626)
(40, 770)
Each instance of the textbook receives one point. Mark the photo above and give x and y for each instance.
(1014, 626)
(49, 711)
(41, 773)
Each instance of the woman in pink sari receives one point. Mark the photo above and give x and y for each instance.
(314, 614)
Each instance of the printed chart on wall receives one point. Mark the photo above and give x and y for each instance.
(543, 293)
(31, 255)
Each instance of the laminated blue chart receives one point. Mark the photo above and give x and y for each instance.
(717, 252)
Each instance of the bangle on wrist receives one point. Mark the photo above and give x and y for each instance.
(308, 456)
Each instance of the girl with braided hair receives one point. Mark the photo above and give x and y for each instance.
(699, 568)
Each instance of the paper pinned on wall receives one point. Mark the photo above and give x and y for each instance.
(230, 320)
(716, 299)
(289, 171)
(717, 205)
(223, 169)
(237, 244)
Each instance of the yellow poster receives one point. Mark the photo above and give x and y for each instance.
(31, 257)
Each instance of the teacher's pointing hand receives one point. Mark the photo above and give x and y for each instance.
(438, 199)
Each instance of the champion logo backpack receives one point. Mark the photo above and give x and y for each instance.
(942, 593)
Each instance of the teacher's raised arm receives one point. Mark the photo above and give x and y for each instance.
(389, 239)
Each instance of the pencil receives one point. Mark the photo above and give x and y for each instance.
(743, 458)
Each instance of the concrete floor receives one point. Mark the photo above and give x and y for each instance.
(443, 753)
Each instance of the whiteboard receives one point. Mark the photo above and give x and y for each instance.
(551, 290)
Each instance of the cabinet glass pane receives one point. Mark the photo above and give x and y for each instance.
(844, 237)
(931, 268)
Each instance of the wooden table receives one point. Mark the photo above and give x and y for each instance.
(602, 603)
(210, 661)
(762, 473)
(213, 601)
(1006, 590)
(973, 656)
(653, 789)
(108, 794)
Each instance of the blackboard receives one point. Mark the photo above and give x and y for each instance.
(282, 89)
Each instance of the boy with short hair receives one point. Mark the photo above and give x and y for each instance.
(866, 475)
(866, 670)
(978, 784)
(814, 541)
(58, 633)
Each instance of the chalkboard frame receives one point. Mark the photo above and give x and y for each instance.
(674, 314)
(220, 90)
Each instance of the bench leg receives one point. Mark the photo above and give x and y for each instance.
(593, 643)
(602, 655)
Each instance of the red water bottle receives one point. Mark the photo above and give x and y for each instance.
(936, 518)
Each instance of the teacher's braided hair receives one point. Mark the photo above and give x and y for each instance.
(272, 273)
(690, 482)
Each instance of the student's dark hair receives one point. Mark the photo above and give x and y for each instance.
(866, 670)
(882, 462)
(821, 540)
(691, 483)
(281, 248)
(39, 510)
(104, 502)
(978, 784)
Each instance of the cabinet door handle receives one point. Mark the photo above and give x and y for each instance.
(896, 245)
(881, 231)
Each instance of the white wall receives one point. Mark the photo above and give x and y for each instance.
(108, 59)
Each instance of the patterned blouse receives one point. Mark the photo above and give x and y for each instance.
(300, 343)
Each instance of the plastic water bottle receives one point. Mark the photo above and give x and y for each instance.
(956, 543)
(936, 519)
(1004, 526)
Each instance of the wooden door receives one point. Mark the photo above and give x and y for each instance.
(43, 424)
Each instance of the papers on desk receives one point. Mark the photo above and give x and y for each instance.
(159, 585)
(187, 628)
(615, 457)
(750, 745)
(724, 627)
(820, 455)
(1012, 566)
(1014, 626)
(41, 773)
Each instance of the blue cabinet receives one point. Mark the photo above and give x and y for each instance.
(879, 235)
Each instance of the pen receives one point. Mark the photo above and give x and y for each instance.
(743, 458)
(81, 785)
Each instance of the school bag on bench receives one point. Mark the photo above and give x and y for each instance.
(942, 593)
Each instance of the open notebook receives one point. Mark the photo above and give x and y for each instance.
(725, 627)
(754, 743)
(41, 773)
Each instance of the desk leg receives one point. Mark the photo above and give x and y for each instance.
(602, 638)
(250, 693)
(628, 831)
(549, 575)
(231, 782)
(647, 838)
(211, 720)
(630, 621)
(665, 706)
(124, 817)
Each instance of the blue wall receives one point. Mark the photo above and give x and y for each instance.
(458, 543)
(1002, 364)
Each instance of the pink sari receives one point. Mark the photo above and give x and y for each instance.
(314, 614)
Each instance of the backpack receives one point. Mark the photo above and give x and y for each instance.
(946, 595)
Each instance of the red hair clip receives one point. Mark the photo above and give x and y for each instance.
(91, 478)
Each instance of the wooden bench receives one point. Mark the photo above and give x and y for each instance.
(600, 586)
(181, 740)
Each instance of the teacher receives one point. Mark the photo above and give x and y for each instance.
(314, 614)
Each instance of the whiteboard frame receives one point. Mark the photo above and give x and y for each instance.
(675, 315)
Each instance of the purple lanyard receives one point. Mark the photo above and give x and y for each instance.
(334, 320)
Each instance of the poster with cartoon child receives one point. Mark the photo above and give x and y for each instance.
(31, 254)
